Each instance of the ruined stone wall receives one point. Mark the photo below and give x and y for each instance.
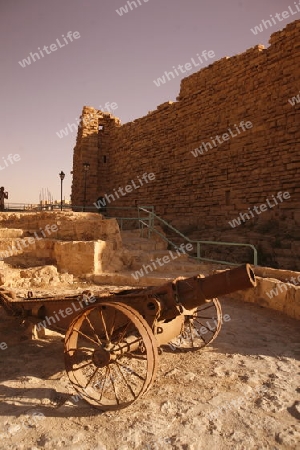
(93, 138)
(207, 191)
(76, 243)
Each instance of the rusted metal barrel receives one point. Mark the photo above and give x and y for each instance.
(192, 292)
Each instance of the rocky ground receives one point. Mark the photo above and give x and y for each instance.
(242, 392)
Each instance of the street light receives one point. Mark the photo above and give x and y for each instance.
(61, 176)
(86, 168)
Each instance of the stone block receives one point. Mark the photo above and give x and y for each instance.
(77, 257)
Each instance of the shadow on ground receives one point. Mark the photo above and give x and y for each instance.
(252, 330)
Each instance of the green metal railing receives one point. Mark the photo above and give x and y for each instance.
(137, 215)
(151, 229)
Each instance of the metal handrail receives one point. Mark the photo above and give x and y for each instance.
(197, 242)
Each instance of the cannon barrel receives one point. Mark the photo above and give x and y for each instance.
(192, 292)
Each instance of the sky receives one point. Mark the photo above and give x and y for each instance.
(95, 53)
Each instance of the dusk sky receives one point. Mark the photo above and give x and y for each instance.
(112, 58)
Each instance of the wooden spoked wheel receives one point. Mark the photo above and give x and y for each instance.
(110, 355)
(200, 327)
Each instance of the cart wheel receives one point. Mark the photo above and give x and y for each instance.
(110, 355)
(200, 327)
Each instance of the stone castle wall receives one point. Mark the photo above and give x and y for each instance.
(239, 172)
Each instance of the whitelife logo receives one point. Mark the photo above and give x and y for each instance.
(283, 286)
(294, 100)
(161, 261)
(3, 346)
(11, 158)
(53, 47)
(220, 139)
(259, 209)
(187, 66)
(21, 243)
(285, 15)
(51, 320)
(124, 9)
(101, 203)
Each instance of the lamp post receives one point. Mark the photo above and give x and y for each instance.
(86, 168)
(61, 176)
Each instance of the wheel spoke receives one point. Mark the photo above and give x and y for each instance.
(123, 334)
(104, 324)
(113, 385)
(132, 372)
(203, 317)
(92, 328)
(206, 307)
(191, 333)
(105, 376)
(136, 356)
(91, 378)
(124, 345)
(86, 337)
(202, 324)
(124, 379)
(113, 324)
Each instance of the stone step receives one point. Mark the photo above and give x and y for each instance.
(143, 244)
(132, 239)
(153, 254)
(10, 233)
(160, 264)
(136, 232)
(158, 255)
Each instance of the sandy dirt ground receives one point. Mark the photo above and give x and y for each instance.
(242, 392)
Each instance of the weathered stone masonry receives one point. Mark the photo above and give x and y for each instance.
(208, 191)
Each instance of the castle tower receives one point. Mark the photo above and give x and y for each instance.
(91, 156)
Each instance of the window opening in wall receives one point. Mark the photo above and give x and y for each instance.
(100, 128)
(227, 198)
(104, 159)
(101, 204)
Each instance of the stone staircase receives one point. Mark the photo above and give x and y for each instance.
(151, 261)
